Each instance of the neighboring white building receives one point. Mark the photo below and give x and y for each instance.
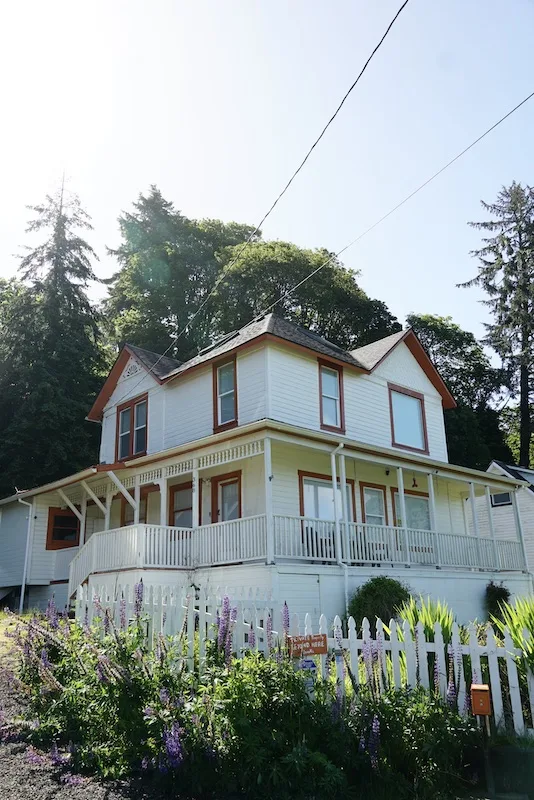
(222, 470)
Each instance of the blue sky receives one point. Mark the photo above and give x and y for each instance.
(217, 101)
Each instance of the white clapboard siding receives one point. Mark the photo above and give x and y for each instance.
(390, 658)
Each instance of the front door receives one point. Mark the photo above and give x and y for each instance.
(226, 497)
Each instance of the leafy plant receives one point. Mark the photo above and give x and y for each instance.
(378, 597)
(428, 611)
(496, 596)
(518, 618)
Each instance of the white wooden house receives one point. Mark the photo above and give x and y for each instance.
(272, 460)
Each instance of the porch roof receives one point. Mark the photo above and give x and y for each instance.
(290, 434)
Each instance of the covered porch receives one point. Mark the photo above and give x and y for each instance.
(278, 497)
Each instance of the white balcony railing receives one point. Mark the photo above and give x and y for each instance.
(295, 539)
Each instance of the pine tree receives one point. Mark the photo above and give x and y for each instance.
(51, 360)
(506, 273)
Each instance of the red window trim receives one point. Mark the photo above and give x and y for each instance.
(123, 406)
(217, 428)
(321, 362)
(145, 491)
(52, 544)
(227, 477)
(172, 491)
(319, 476)
(383, 488)
(392, 387)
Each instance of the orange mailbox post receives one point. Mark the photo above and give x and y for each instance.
(480, 700)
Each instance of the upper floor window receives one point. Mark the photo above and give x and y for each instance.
(63, 529)
(331, 396)
(224, 395)
(132, 423)
(501, 499)
(408, 422)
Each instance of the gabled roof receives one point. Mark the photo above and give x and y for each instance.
(271, 326)
(371, 355)
(520, 473)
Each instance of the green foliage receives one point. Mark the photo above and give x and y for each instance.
(506, 274)
(109, 705)
(496, 596)
(518, 617)
(51, 358)
(474, 432)
(428, 611)
(378, 597)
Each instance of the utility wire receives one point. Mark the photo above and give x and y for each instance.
(227, 268)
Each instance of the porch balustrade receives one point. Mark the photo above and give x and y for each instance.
(300, 539)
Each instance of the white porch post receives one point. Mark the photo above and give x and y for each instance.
(491, 527)
(519, 527)
(345, 516)
(163, 500)
(337, 531)
(268, 470)
(83, 520)
(137, 498)
(432, 515)
(402, 508)
(472, 498)
(107, 515)
(194, 496)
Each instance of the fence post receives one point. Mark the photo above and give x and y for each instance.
(421, 655)
(409, 649)
(495, 680)
(395, 658)
(513, 684)
(441, 664)
(457, 650)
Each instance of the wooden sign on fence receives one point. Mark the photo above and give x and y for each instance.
(314, 644)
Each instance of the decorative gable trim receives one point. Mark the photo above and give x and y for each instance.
(121, 364)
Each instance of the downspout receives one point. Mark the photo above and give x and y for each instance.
(27, 554)
(340, 561)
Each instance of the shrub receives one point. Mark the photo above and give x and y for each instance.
(428, 612)
(378, 597)
(496, 596)
(518, 618)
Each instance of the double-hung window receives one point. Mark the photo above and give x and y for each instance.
(132, 426)
(317, 498)
(224, 395)
(408, 422)
(331, 396)
(374, 504)
(417, 511)
(63, 529)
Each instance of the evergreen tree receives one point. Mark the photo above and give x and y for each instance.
(474, 432)
(506, 273)
(168, 265)
(51, 361)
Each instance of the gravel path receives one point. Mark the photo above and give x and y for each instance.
(26, 774)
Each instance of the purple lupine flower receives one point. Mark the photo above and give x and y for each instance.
(149, 712)
(164, 696)
(374, 741)
(251, 637)
(338, 636)
(233, 615)
(368, 661)
(269, 633)
(122, 612)
(173, 745)
(68, 779)
(106, 622)
(100, 670)
(224, 623)
(26, 649)
(144, 763)
(51, 613)
(436, 674)
(163, 619)
(45, 661)
(228, 648)
(32, 757)
(361, 744)
(285, 619)
(56, 758)
(138, 598)
(86, 617)
(451, 688)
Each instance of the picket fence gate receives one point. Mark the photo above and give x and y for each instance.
(392, 657)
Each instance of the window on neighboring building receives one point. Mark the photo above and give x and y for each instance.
(225, 394)
(317, 500)
(331, 396)
(501, 499)
(417, 511)
(408, 423)
(132, 426)
(63, 529)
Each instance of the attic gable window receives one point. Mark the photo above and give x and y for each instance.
(331, 396)
(408, 421)
(224, 395)
(132, 425)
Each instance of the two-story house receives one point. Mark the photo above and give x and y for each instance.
(273, 460)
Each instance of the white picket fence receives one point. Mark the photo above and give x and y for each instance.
(392, 657)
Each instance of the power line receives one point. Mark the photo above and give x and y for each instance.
(395, 208)
(226, 269)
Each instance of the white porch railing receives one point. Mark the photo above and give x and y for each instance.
(295, 539)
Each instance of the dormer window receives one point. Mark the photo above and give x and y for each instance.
(132, 422)
(224, 395)
(331, 397)
(408, 421)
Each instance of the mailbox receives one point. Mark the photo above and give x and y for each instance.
(480, 700)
